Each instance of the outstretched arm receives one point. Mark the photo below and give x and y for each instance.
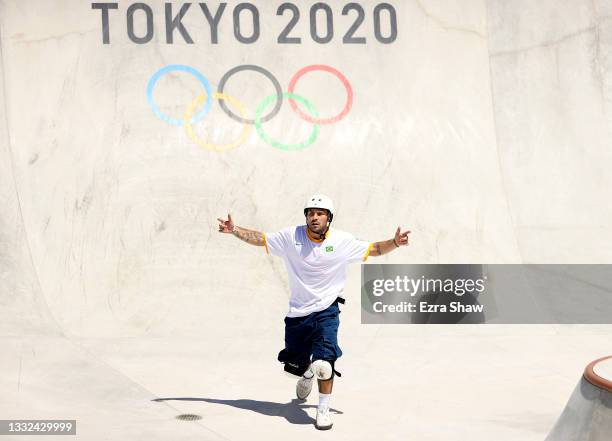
(386, 246)
(249, 236)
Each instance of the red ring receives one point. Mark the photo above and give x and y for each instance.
(345, 82)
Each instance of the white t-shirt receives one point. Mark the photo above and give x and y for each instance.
(317, 270)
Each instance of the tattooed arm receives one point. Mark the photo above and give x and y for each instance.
(249, 236)
(386, 246)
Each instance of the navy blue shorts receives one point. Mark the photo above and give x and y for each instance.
(313, 335)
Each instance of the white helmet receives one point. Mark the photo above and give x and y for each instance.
(320, 201)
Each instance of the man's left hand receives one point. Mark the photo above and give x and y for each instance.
(401, 238)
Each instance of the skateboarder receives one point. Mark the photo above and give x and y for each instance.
(316, 258)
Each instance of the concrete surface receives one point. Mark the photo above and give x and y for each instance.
(485, 128)
(588, 413)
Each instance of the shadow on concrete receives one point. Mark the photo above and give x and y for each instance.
(294, 412)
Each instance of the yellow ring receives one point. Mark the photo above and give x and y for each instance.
(215, 147)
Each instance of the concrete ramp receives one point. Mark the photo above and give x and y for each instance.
(588, 413)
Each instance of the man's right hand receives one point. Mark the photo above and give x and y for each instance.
(226, 226)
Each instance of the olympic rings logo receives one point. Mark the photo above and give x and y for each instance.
(192, 116)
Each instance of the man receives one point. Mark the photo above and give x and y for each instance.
(316, 258)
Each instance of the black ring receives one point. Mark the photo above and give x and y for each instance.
(261, 70)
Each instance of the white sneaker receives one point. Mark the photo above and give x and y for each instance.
(304, 385)
(324, 421)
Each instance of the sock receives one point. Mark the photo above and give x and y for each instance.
(324, 399)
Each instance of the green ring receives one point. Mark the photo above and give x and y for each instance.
(309, 106)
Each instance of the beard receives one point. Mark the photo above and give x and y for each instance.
(319, 229)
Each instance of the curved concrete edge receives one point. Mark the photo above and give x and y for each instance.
(593, 377)
(587, 416)
(23, 306)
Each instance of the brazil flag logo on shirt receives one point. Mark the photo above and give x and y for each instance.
(329, 249)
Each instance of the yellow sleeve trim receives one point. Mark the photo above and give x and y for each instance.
(367, 253)
(265, 242)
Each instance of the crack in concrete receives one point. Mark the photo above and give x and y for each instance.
(503, 183)
(544, 44)
(596, 62)
(18, 37)
(446, 26)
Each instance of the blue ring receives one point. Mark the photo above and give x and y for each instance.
(182, 68)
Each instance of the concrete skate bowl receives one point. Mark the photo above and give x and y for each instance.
(484, 127)
(588, 413)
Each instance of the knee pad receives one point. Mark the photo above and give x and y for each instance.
(323, 369)
(295, 369)
(292, 366)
